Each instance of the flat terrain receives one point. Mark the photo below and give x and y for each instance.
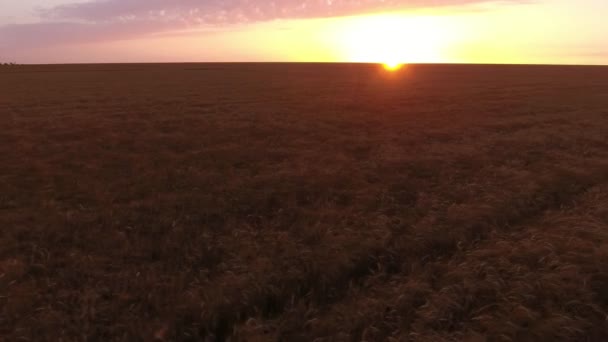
(278, 202)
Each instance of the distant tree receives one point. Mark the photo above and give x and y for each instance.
(7, 63)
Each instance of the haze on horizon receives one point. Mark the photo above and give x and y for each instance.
(450, 31)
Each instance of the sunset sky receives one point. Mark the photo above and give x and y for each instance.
(452, 31)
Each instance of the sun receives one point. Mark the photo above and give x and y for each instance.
(392, 66)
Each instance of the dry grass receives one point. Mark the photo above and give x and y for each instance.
(303, 202)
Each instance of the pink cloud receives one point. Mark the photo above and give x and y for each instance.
(124, 19)
(51, 33)
(233, 10)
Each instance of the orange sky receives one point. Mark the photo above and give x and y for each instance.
(452, 31)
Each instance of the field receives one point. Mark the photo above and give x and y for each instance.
(303, 202)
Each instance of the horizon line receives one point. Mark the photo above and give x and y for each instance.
(312, 62)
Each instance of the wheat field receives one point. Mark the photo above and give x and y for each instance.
(303, 202)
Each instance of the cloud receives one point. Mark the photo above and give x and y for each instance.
(52, 33)
(214, 11)
(124, 19)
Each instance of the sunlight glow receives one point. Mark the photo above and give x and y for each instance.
(394, 39)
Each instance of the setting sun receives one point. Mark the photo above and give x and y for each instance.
(392, 66)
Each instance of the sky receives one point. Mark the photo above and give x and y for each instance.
(383, 31)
